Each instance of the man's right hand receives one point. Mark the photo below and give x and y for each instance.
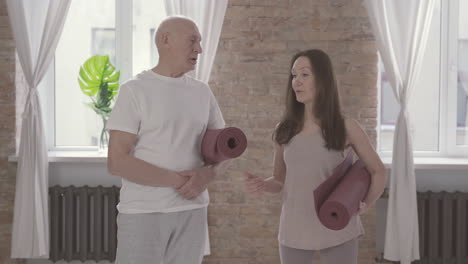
(179, 180)
(198, 180)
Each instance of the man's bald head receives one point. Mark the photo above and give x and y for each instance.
(178, 42)
(173, 25)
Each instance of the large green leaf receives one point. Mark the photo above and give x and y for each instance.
(99, 80)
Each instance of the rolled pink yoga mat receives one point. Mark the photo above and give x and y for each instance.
(223, 144)
(337, 198)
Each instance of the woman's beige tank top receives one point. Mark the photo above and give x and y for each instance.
(309, 163)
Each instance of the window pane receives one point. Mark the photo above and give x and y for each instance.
(424, 101)
(462, 93)
(88, 30)
(146, 18)
(103, 42)
(389, 109)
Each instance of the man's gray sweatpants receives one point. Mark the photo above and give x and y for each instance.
(161, 238)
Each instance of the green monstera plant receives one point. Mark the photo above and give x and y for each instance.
(99, 80)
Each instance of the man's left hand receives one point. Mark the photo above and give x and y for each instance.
(197, 183)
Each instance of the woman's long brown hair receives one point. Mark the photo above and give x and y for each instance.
(326, 104)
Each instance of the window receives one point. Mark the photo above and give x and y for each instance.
(438, 106)
(103, 42)
(462, 86)
(154, 52)
(121, 29)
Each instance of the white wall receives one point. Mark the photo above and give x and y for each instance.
(80, 174)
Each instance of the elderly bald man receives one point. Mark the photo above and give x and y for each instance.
(156, 128)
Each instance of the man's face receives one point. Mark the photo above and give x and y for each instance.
(185, 46)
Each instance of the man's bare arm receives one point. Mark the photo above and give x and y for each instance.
(121, 162)
(200, 178)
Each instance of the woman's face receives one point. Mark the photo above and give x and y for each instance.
(303, 81)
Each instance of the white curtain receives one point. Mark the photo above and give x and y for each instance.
(209, 16)
(401, 29)
(37, 26)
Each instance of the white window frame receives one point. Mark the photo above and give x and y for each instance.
(124, 62)
(447, 91)
(451, 62)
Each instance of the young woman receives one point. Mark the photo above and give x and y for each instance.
(310, 141)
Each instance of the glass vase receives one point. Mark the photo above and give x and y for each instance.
(103, 138)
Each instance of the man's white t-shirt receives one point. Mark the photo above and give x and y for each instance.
(169, 117)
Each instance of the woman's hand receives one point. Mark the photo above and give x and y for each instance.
(254, 184)
(362, 208)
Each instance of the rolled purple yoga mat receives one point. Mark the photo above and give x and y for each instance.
(338, 197)
(222, 144)
(322, 192)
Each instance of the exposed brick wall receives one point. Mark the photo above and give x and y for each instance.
(249, 79)
(7, 133)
